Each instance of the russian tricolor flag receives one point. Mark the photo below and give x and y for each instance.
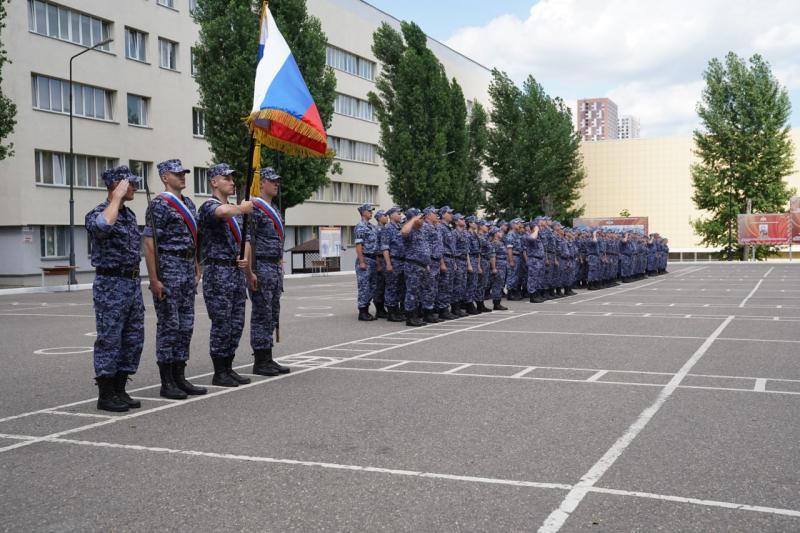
(284, 116)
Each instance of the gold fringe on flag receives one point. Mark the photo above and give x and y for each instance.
(255, 188)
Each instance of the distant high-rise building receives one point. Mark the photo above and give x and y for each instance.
(629, 127)
(597, 119)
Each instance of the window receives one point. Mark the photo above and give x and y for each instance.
(201, 181)
(53, 241)
(167, 3)
(59, 22)
(192, 62)
(51, 169)
(138, 107)
(52, 94)
(167, 54)
(198, 122)
(192, 5)
(135, 45)
(353, 193)
(350, 63)
(353, 107)
(140, 168)
(352, 150)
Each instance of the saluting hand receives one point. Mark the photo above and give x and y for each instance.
(120, 190)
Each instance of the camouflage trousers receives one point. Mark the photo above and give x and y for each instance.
(498, 279)
(512, 273)
(459, 281)
(225, 294)
(444, 293)
(175, 313)
(366, 281)
(380, 281)
(536, 273)
(119, 318)
(431, 286)
(472, 282)
(416, 277)
(393, 293)
(266, 300)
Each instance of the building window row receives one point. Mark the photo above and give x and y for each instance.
(352, 150)
(52, 94)
(350, 63)
(353, 107)
(350, 193)
(52, 168)
(66, 24)
(201, 185)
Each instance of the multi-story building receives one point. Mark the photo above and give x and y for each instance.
(629, 127)
(596, 119)
(135, 102)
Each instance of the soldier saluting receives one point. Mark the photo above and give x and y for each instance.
(116, 292)
(174, 273)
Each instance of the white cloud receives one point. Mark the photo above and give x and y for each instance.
(646, 55)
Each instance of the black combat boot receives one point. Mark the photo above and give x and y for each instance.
(536, 297)
(261, 364)
(169, 389)
(120, 380)
(460, 309)
(569, 292)
(513, 296)
(277, 366)
(221, 377)
(559, 292)
(380, 311)
(232, 373)
(395, 315)
(552, 293)
(178, 374)
(107, 398)
(472, 308)
(427, 317)
(498, 306)
(413, 320)
(592, 286)
(445, 314)
(363, 314)
(482, 307)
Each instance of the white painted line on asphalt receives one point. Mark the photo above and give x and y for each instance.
(697, 501)
(581, 333)
(85, 415)
(343, 350)
(617, 292)
(556, 520)
(751, 293)
(394, 365)
(523, 372)
(761, 385)
(457, 369)
(47, 315)
(597, 375)
(152, 399)
(768, 271)
(381, 343)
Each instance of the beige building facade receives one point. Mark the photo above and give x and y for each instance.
(651, 177)
(136, 103)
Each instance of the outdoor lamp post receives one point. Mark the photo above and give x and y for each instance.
(71, 170)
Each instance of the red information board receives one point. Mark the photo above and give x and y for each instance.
(764, 228)
(794, 213)
(638, 224)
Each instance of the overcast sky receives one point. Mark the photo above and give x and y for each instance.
(647, 56)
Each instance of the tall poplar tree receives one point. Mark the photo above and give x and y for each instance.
(474, 196)
(743, 147)
(532, 152)
(225, 58)
(8, 110)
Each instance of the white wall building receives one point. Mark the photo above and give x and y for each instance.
(629, 127)
(136, 103)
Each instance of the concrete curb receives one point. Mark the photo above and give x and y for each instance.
(88, 286)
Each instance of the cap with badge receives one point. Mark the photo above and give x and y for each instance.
(412, 212)
(394, 209)
(444, 210)
(471, 219)
(220, 169)
(268, 173)
(379, 213)
(430, 209)
(365, 207)
(457, 217)
(172, 166)
(119, 173)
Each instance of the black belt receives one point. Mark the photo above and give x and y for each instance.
(183, 254)
(118, 273)
(416, 262)
(273, 260)
(450, 256)
(516, 253)
(396, 257)
(371, 256)
(220, 262)
(435, 258)
(464, 257)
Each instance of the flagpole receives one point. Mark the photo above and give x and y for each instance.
(248, 185)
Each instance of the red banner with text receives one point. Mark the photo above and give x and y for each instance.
(764, 228)
(794, 214)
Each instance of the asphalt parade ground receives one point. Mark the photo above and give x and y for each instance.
(668, 404)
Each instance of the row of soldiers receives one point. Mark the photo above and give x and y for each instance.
(434, 265)
(181, 245)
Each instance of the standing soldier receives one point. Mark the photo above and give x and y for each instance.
(366, 239)
(473, 274)
(417, 263)
(431, 287)
(497, 263)
(224, 283)
(116, 292)
(391, 244)
(444, 295)
(536, 258)
(484, 280)
(264, 270)
(174, 273)
(380, 268)
(463, 266)
(512, 255)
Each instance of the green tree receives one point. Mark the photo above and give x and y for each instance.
(413, 105)
(225, 57)
(457, 150)
(8, 110)
(743, 148)
(532, 152)
(474, 196)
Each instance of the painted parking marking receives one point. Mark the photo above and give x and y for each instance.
(64, 350)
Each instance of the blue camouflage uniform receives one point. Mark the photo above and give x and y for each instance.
(392, 240)
(512, 276)
(498, 251)
(461, 250)
(474, 248)
(536, 270)
(116, 291)
(367, 236)
(176, 263)
(484, 278)
(380, 267)
(224, 284)
(593, 259)
(444, 294)
(431, 286)
(267, 240)
(418, 259)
